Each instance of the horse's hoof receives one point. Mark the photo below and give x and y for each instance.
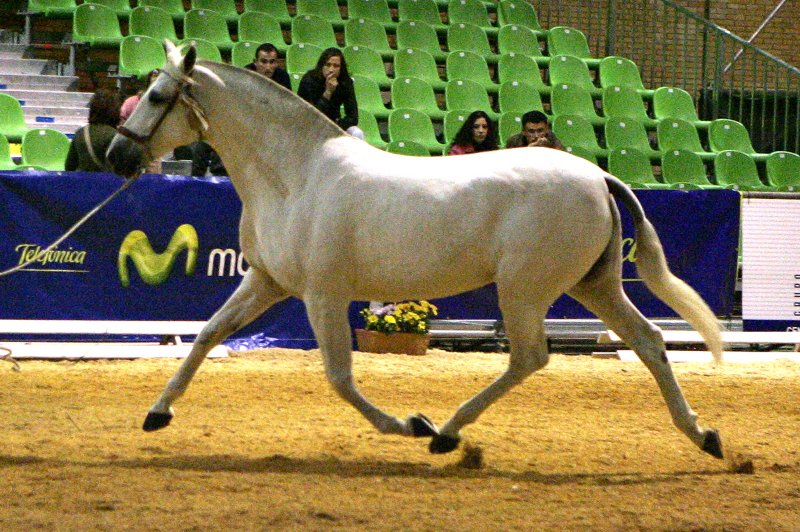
(442, 443)
(712, 444)
(156, 420)
(422, 427)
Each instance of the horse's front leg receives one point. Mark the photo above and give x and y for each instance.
(255, 294)
(328, 318)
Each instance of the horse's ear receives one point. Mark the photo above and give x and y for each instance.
(189, 60)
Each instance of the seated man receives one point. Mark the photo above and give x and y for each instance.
(266, 64)
(535, 132)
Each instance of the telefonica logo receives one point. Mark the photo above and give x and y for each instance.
(54, 260)
(154, 268)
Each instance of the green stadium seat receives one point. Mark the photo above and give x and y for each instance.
(97, 26)
(6, 162)
(453, 121)
(567, 99)
(629, 133)
(121, 7)
(633, 168)
(575, 130)
(468, 94)
(375, 10)
(520, 40)
(617, 71)
(294, 80)
(244, 53)
(415, 93)
(469, 65)
(12, 118)
(255, 26)
(625, 102)
(471, 12)
(208, 25)
(53, 8)
(369, 33)
(583, 153)
(677, 134)
(684, 167)
(275, 8)
(725, 134)
(574, 71)
(419, 36)
(519, 97)
(411, 62)
(302, 57)
(139, 55)
(226, 8)
(369, 125)
(324, 9)
(469, 37)
(563, 40)
(153, 22)
(510, 123)
(46, 148)
(315, 30)
(205, 49)
(519, 12)
(408, 147)
(416, 126)
(422, 11)
(370, 98)
(175, 8)
(783, 171)
(672, 102)
(363, 61)
(522, 68)
(736, 169)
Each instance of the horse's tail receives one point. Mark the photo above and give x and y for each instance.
(652, 267)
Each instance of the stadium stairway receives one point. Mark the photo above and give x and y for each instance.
(48, 98)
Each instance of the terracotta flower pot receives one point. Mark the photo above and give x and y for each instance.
(400, 342)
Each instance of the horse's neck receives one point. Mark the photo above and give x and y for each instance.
(263, 133)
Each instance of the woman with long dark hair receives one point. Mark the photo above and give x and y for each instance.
(87, 151)
(328, 86)
(477, 134)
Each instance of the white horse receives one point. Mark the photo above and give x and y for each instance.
(329, 219)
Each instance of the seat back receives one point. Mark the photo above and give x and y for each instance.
(411, 62)
(519, 13)
(260, 27)
(519, 97)
(244, 53)
(302, 57)
(566, 99)
(510, 123)
(783, 169)
(420, 10)
(12, 118)
(366, 32)
(369, 96)
(465, 36)
(277, 9)
(313, 29)
(583, 153)
(619, 102)
(209, 25)
(575, 130)
(153, 22)
(468, 65)
(736, 168)
(363, 61)
(683, 166)
(672, 102)
(46, 148)
(369, 125)
(518, 67)
(518, 39)
(205, 49)
(564, 40)
(408, 147)
(419, 36)
(467, 94)
(725, 134)
(96, 25)
(631, 166)
(122, 8)
(375, 10)
(570, 69)
(324, 9)
(413, 125)
(226, 8)
(415, 93)
(620, 72)
(677, 134)
(453, 122)
(139, 55)
(469, 11)
(627, 133)
(53, 8)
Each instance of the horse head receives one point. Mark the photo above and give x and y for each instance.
(167, 116)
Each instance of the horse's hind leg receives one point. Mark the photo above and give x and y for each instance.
(524, 324)
(601, 292)
(255, 294)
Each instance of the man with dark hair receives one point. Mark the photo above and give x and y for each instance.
(266, 64)
(535, 132)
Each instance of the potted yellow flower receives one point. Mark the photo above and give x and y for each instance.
(396, 328)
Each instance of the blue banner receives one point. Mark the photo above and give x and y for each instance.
(167, 249)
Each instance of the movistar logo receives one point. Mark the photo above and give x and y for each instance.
(154, 268)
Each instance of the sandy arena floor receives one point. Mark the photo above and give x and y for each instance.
(261, 442)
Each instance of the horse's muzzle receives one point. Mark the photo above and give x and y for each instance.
(125, 156)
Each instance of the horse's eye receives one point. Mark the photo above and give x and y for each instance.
(157, 98)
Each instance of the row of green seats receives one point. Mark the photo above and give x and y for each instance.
(41, 149)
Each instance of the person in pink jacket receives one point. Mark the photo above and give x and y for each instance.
(477, 134)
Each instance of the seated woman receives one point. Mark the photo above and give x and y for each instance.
(477, 134)
(87, 151)
(328, 86)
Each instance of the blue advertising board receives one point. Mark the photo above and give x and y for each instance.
(167, 249)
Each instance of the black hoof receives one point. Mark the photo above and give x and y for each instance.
(441, 444)
(712, 444)
(422, 427)
(156, 420)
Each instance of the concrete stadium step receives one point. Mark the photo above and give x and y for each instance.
(12, 51)
(28, 66)
(37, 82)
(68, 128)
(62, 112)
(50, 98)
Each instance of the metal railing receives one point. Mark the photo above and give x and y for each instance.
(727, 76)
